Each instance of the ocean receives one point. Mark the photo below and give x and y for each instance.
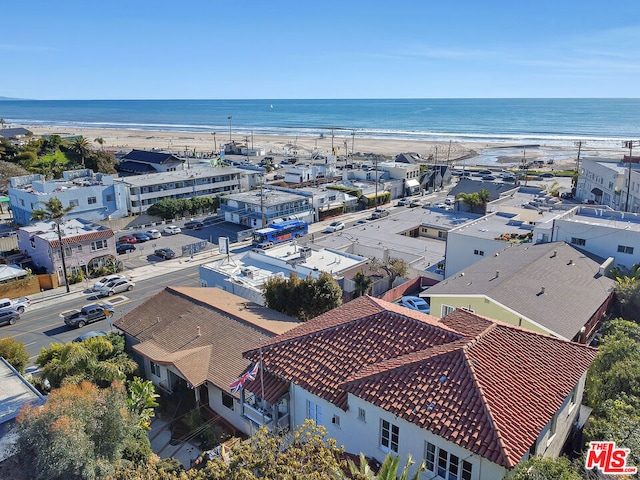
(602, 123)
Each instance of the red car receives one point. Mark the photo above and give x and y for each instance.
(127, 239)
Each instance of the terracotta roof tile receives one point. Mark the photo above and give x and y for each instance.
(487, 386)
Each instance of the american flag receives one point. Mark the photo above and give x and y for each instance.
(239, 382)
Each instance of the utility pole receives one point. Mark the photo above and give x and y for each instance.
(229, 118)
(579, 145)
(629, 144)
(353, 141)
(333, 152)
(375, 161)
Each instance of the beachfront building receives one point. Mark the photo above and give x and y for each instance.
(145, 190)
(309, 172)
(597, 230)
(384, 379)
(259, 208)
(194, 358)
(539, 287)
(407, 172)
(16, 135)
(245, 274)
(604, 181)
(327, 201)
(87, 246)
(141, 162)
(93, 196)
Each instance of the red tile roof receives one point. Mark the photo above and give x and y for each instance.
(487, 386)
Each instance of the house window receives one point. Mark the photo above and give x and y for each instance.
(155, 369)
(446, 310)
(625, 249)
(573, 398)
(33, 242)
(442, 235)
(22, 202)
(227, 400)
(479, 252)
(466, 470)
(91, 200)
(430, 456)
(79, 248)
(362, 414)
(552, 428)
(67, 251)
(578, 241)
(110, 197)
(336, 420)
(314, 412)
(389, 436)
(98, 245)
(74, 202)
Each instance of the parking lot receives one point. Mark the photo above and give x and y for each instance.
(213, 229)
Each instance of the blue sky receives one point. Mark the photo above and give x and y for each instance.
(123, 49)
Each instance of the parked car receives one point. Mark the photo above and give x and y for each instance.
(441, 205)
(567, 195)
(362, 221)
(415, 203)
(450, 201)
(194, 225)
(124, 248)
(485, 172)
(19, 304)
(103, 281)
(334, 227)
(488, 178)
(127, 239)
(278, 176)
(141, 237)
(164, 253)
(116, 286)
(415, 303)
(402, 202)
(379, 213)
(547, 175)
(153, 233)
(91, 334)
(171, 230)
(9, 316)
(88, 314)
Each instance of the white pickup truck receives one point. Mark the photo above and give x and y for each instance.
(20, 304)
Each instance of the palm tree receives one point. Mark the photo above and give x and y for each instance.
(2, 122)
(470, 199)
(100, 140)
(81, 147)
(54, 211)
(363, 283)
(388, 469)
(142, 400)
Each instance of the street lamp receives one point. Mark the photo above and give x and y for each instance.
(629, 144)
(229, 118)
(215, 145)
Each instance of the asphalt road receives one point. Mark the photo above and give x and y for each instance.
(39, 327)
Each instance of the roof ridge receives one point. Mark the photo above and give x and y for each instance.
(404, 361)
(506, 460)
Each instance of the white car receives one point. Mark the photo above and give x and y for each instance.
(335, 226)
(116, 286)
(171, 230)
(105, 280)
(416, 303)
(153, 233)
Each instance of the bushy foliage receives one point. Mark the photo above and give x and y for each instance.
(98, 359)
(539, 468)
(79, 433)
(15, 353)
(303, 298)
(169, 208)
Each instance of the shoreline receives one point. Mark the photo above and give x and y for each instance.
(188, 142)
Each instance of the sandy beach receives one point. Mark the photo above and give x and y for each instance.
(185, 143)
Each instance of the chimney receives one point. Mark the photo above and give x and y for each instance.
(542, 290)
(198, 330)
(497, 273)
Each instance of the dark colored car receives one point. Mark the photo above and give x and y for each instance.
(91, 334)
(164, 253)
(88, 314)
(194, 225)
(127, 239)
(141, 237)
(124, 248)
(9, 316)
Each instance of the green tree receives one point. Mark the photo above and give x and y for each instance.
(302, 299)
(545, 468)
(628, 297)
(81, 147)
(100, 161)
(15, 353)
(471, 200)
(363, 283)
(100, 140)
(142, 400)
(78, 434)
(97, 359)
